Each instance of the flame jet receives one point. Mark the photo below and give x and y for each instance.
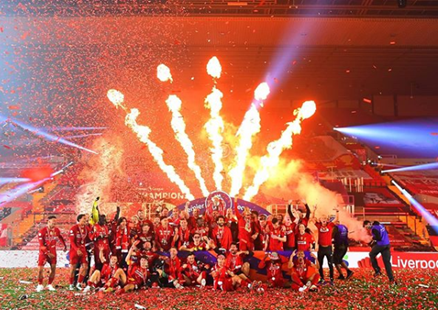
(179, 127)
(250, 127)
(275, 148)
(215, 124)
(117, 98)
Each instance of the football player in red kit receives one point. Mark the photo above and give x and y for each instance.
(274, 269)
(137, 278)
(182, 234)
(224, 278)
(99, 278)
(222, 234)
(197, 245)
(47, 237)
(304, 273)
(173, 269)
(164, 235)
(191, 272)
(247, 234)
(276, 237)
(100, 234)
(78, 253)
(235, 263)
(304, 240)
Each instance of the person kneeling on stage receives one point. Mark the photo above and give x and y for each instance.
(274, 269)
(172, 270)
(224, 278)
(99, 278)
(235, 262)
(192, 273)
(138, 278)
(304, 273)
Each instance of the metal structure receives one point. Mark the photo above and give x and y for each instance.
(260, 8)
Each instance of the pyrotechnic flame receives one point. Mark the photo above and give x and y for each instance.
(262, 91)
(214, 128)
(116, 98)
(179, 127)
(163, 73)
(156, 152)
(214, 67)
(275, 148)
(250, 127)
(307, 109)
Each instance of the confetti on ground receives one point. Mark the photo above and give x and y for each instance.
(361, 292)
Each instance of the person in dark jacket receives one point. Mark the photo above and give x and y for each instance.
(380, 244)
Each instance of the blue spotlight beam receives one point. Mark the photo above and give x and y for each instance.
(24, 188)
(414, 168)
(432, 220)
(408, 138)
(19, 190)
(50, 137)
(13, 180)
(75, 128)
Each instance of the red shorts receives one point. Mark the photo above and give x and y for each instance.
(277, 282)
(225, 285)
(44, 258)
(75, 258)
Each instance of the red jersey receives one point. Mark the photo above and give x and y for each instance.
(192, 222)
(191, 271)
(221, 278)
(173, 268)
(234, 262)
(304, 241)
(122, 239)
(273, 271)
(183, 238)
(220, 207)
(149, 237)
(107, 272)
(202, 231)
(48, 238)
(78, 236)
(274, 244)
(164, 237)
(222, 237)
(301, 269)
(325, 233)
(100, 237)
(290, 235)
(138, 276)
(245, 231)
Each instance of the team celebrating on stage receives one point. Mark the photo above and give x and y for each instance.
(142, 253)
